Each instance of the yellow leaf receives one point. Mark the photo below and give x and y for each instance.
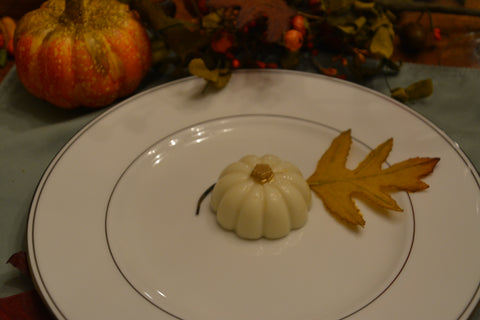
(399, 94)
(420, 89)
(353, 27)
(360, 5)
(217, 77)
(336, 185)
(348, 29)
(382, 43)
(213, 19)
(360, 22)
(417, 90)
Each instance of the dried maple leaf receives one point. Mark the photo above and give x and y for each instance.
(277, 12)
(335, 184)
(19, 261)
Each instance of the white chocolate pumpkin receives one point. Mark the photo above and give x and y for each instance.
(261, 197)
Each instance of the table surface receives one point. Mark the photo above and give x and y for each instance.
(456, 113)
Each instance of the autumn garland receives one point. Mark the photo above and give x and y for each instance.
(228, 34)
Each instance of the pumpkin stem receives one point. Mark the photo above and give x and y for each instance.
(262, 173)
(74, 12)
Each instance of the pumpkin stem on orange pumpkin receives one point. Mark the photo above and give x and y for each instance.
(74, 12)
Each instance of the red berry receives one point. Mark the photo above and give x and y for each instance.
(299, 23)
(437, 34)
(2, 41)
(261, 64)
(248, 26)
(293, 40)
(272, 65)
(222, 42)
(235, 63)
(330, 71)
(10, 48)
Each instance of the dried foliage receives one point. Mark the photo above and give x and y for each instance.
(277, 13)
(230, 34)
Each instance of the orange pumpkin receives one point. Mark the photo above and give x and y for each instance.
(81, 52)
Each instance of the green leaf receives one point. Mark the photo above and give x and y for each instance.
(218, 78)
(160, 52)
(181, 36)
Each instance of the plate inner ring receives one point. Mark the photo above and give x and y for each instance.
(190, 268)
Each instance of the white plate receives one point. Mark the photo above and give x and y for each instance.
(113, 234)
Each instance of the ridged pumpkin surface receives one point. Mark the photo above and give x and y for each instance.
(81, 52)
(261, 197)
